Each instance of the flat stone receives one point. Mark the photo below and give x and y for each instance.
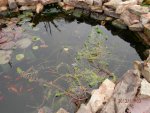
(23, 8)
(113, 3)
(136, 27)
(97, 16)
(26, 2)
(110, 12)
(68, 7)
(145, 18)
(145, 88)
(147, 30)
(62, 110)
(124, 93)
(101, 95)
(12, 4)
(146, 71)
(140, 106)
(129, 18)
(97, 2)
(3, 8)
(119, 24)
(97, 9)
(138, 9)
(84, 109)
(122, 7)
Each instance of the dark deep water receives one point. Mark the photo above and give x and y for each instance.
(58, 32)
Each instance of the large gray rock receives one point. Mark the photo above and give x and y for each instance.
(138, 9)
(124, 93)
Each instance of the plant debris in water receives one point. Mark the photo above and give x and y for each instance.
(87, 71)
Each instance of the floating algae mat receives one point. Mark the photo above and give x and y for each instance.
(59, 61)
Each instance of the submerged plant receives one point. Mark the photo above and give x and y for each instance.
(87, 71)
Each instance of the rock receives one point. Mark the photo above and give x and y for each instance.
(138, 9)
(136, 27)
(147, 30)
(129, 18)
(113, 3)
(68, 7)
(39, 7)
(108, 18)
(61, 110)
(23, 8)
(97, 16)
(3, 2)
(77, 12)
(145, 18)
(27, 2)
(124, 93)
(12, 4)
(3, 8)
(123, 6)
(84, 109)
(44, 109)
(145, 88)
(110, 12)
(146, 71)
(140, 106)
(144, 38)
(90, 2)
(97, 9)
(5, 56)
(101, 95)
(97, 3)
(119, 24)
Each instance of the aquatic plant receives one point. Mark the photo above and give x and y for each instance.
(88, 71)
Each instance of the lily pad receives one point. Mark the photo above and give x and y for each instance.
(35, 47)
(19, 70)
(19, 57)
(5, 56)
(36, 38)
(24, 43)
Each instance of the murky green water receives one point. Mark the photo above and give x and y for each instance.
(61, 37)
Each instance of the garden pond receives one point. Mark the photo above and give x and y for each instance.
(47, 49)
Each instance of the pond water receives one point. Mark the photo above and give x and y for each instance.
(61, 37)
